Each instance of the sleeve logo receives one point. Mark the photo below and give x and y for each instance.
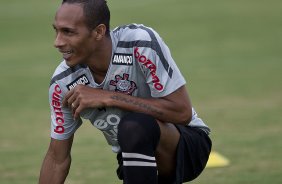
(57, 106)
(147, 63)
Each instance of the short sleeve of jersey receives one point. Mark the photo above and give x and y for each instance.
(160, 70)
(62, 123)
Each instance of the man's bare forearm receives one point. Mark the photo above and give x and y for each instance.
(54, 172)
(136, 104)
(161, 109)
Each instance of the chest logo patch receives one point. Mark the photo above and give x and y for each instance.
(123, 85)
(122, 59)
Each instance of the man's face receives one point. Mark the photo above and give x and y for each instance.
(73, 38)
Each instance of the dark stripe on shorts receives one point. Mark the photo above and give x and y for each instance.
(66, 73)
(154, 45)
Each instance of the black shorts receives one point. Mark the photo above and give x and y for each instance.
(193, 152)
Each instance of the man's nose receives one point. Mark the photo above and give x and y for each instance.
(59, 41)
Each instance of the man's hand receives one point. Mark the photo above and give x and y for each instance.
(82, 97)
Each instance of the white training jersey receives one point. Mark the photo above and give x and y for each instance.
(141, 66)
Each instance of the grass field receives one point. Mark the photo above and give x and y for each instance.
(229, 51)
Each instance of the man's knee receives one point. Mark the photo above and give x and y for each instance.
(137, 131)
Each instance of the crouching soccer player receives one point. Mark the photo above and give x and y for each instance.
(127, 84)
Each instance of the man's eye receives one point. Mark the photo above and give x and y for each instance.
(68, 31)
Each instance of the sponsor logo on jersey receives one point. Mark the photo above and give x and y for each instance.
(108, 125)
(122, 59)
(147, 63)
(57, 107)
(80, 80)
(123, 85)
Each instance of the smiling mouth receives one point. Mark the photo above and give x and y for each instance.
(66, 53)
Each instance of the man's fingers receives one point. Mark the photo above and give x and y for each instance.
(66, 99)
(77, 112)
(72, 100)
(73, 105)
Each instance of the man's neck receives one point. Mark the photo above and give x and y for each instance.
(101, 61)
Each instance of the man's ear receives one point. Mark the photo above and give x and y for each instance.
(100, 31)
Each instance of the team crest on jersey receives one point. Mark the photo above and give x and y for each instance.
(122, 59)
(123, 85)
(79, 80)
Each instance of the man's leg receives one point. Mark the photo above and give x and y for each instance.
(166, 153)
(138, 136)
(145, 142)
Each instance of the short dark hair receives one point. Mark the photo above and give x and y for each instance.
(96, 12)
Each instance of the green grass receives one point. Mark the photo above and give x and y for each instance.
(229, 52)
